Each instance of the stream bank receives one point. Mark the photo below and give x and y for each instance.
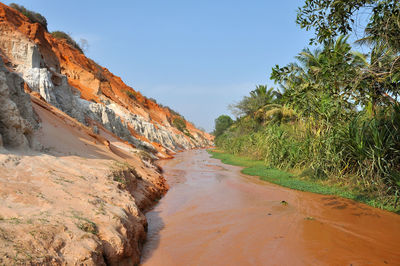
(215, 215)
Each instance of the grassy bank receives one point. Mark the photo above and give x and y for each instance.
(279, 177)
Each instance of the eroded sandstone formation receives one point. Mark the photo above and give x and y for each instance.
(77, 151)
(17, 119)
(78, 86)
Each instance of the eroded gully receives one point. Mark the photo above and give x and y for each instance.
(214, 215)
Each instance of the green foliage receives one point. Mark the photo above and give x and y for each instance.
(179, 121)
(321, 84)
(333, 18)
(31, 15)
(373, 148)
(275, 113)
(130, 94)
(155, 101)
(67, 38)
(362, 153)
(329, 18)
(257, 99)
(172, 111)
(337, 119)
(381, 77)
(180, 124)
(272, 175)
(222, 123)
(384, 27)
(88, 226)
(85, 224)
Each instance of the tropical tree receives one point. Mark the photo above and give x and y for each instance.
(258, 98)
(334, 18)
(321, 83)
(375, 86)
(337, 115)
(222, 123)
(380, 80)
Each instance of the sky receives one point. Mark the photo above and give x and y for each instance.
(195, 56)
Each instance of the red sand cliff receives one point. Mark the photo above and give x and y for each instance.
(70, 194)
(91, 79)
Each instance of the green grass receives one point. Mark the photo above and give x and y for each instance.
(282, 178)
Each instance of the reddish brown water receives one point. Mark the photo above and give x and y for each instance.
(214, 215)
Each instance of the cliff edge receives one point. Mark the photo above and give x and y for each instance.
(77, 152)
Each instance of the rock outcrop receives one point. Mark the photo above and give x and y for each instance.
(77, 201)
(17, 119)
(77, 151)
(75, 84)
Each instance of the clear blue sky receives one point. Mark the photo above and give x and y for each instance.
(195, 56)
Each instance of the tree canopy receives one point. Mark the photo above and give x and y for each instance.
(222, 123)
(337, 115)
(257, 99)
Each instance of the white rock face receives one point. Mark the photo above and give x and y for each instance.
(40, 79)
(16, 115)
(112, 116)
(54, 88)
(67, 99)
(26, 54)
(160, 135)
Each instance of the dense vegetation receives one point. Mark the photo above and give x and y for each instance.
(222, 123)
(336, 118)
(31, 15)
(258, 168)
(68, 39)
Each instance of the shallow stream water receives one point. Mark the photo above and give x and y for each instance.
(214, 215)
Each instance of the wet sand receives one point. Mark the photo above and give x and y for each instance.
(214, 215)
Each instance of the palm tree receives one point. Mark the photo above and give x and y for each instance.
(378, 81)
(258, 98)
(322, 81)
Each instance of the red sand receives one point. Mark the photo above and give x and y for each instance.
(213, 215)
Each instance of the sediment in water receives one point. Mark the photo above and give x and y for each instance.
(214, 215)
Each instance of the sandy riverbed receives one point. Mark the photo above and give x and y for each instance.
(214, 215)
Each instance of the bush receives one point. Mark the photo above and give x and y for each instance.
(363, 153)
(372, 146)
(180, 124)
(67, 38)
(155, 101)
(173, 111)
(131, 95)
(32, 16)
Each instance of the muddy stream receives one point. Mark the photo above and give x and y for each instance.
(214, 215)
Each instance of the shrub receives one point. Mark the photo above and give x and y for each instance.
(67, 38)
(32, 16)
(88, 226)
(173, 111)
(180, 124)
(131, 95)
(363, 153)
(155, 101)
